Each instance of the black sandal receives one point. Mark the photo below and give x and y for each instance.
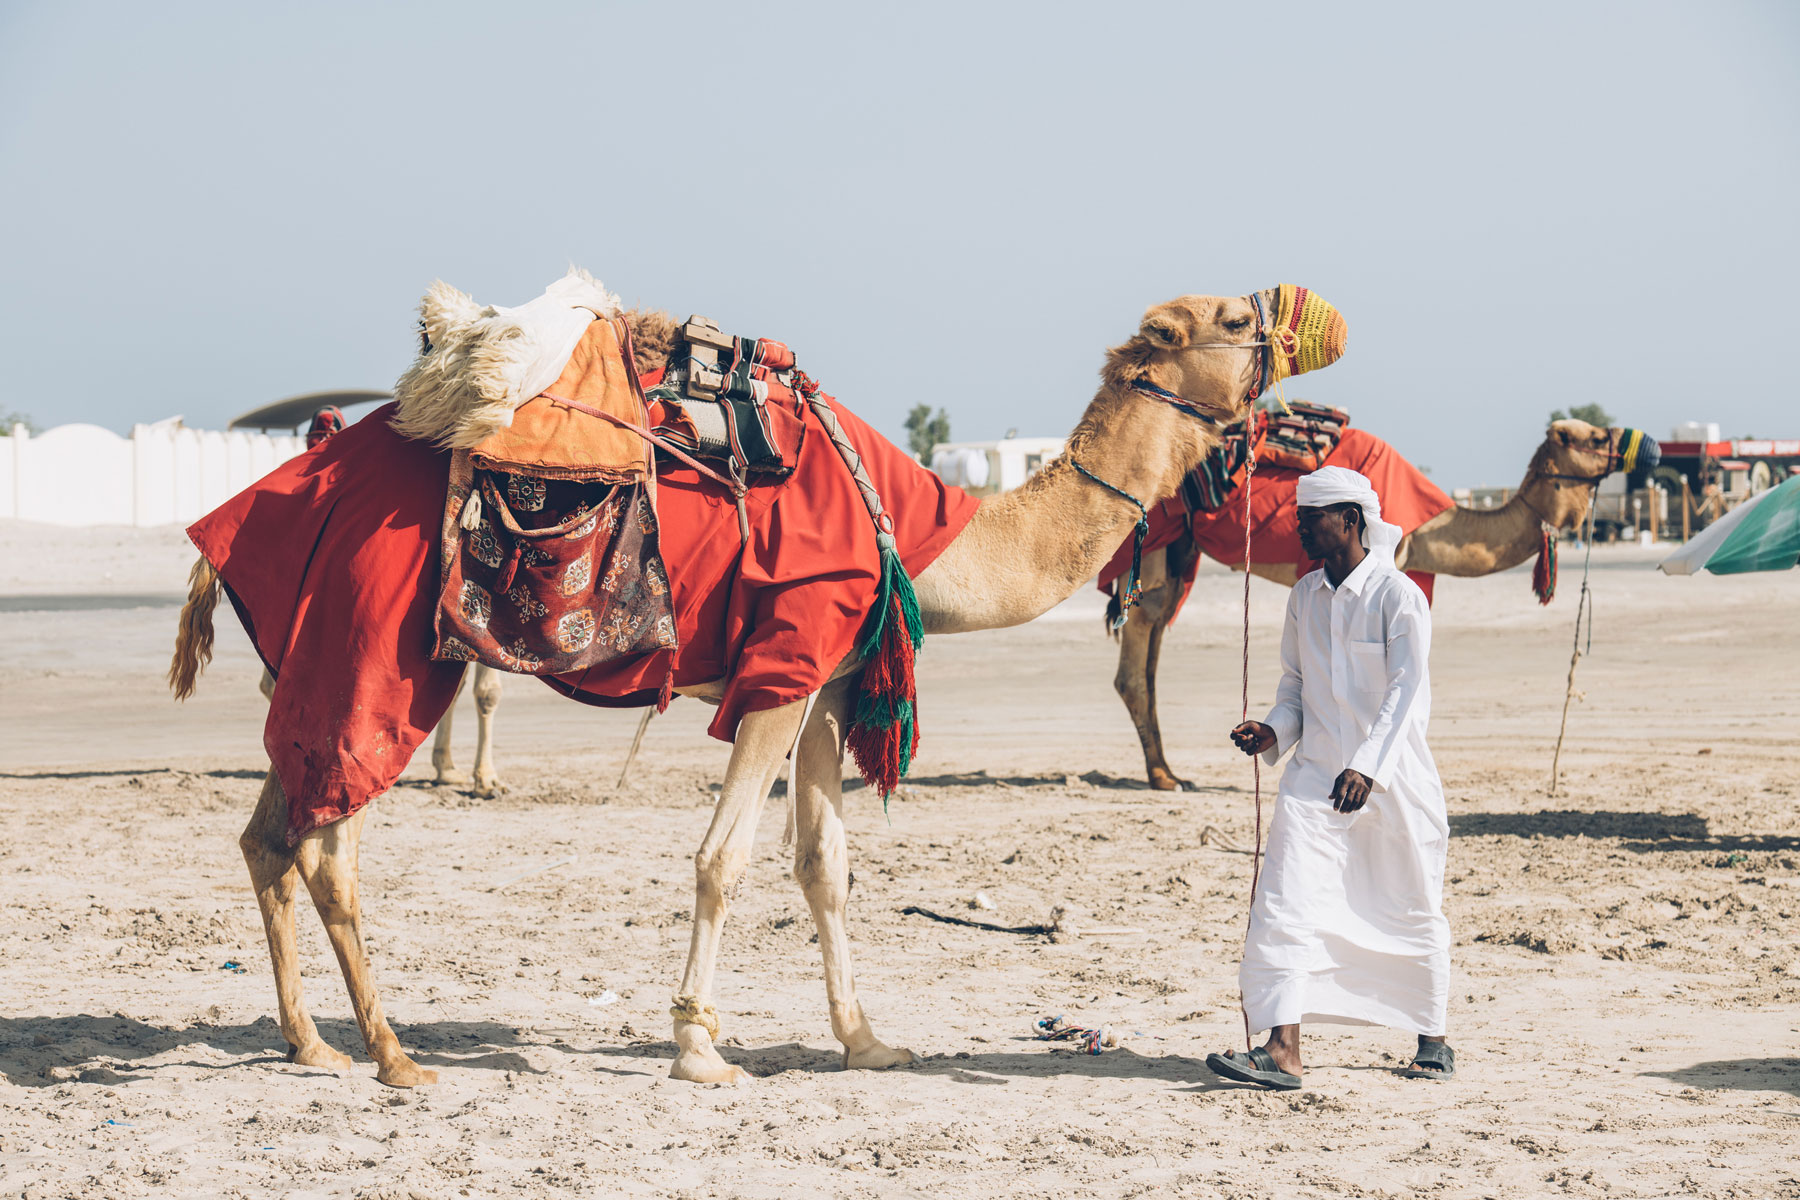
(1256, 1067)
(1436, 1061)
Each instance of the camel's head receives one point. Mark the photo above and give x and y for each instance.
(1218, 353)
(1576, 456)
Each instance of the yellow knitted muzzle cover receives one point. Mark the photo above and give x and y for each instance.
(1308, 333)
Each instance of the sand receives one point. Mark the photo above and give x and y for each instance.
(1626, 962)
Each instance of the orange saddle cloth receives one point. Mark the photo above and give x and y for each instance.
(553, 440)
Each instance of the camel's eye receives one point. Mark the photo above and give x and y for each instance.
(1237, 324)
(424, 339)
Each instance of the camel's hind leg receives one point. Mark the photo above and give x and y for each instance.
(822, 865)
(763, 741)
(276, 879)
(1140, 646)
(442, 761)
(327, 862)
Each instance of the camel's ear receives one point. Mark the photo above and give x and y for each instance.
(444, 307)
(1164, 329)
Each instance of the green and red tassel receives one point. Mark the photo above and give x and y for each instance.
(1543, 574)
(885, 733)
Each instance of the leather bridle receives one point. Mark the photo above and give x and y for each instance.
(1265, 368)
(1615, 459)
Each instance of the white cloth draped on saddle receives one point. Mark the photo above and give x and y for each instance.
(1347, 925)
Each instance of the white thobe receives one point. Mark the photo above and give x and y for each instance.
(1348, 924)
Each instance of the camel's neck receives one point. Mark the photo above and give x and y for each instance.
(1027, 550)
(1469, 541)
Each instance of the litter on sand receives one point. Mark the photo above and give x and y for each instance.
(235, 967)
(1058, 1029)
(913, 909)
(603, 999)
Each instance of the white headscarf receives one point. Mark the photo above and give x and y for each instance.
(1338, 485)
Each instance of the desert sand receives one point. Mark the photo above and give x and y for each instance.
(1627, 970)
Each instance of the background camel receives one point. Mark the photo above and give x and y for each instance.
(1191, 368)
(1557, 490)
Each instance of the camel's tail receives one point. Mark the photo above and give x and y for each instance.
(1115, 608)
(194, 639)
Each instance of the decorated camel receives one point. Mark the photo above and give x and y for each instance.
(1441, 539)
(746, 626)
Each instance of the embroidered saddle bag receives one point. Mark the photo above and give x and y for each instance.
(558, 575)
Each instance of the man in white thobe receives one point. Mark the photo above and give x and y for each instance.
(1347, 924)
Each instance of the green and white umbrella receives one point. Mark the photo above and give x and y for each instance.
(1761, 534)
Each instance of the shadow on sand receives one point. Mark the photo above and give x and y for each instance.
(1743, 1074)
(47, 1051)
(1641, 831)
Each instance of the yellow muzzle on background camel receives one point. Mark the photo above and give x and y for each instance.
(1305, 333)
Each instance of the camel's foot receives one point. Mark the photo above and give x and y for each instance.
(452, 777)
(698, 1061)
(705, 1066)
(1166, 781)
(317, 1054)
(489, 786)
(877, 1057)
(402, 1072)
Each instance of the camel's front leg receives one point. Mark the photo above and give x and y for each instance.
(822, 865)
(327, 862)
(1140, 645)
(275, 878)
(763, 741)
(441, 759)
(487, 701)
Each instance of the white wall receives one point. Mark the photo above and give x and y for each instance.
(162, 474)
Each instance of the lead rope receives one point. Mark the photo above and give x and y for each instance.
(1581, 607)
(1255, 759)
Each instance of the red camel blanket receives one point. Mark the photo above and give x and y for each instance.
(1408, 499)
(331, 561)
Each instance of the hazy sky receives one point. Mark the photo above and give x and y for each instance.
(1517, 206)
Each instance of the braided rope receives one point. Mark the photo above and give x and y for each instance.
(884, 524)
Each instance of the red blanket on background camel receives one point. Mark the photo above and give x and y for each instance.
(1408, 499)
(331, 561)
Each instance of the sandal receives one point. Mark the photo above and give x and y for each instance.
(1436, 1061)
(1256, 1067)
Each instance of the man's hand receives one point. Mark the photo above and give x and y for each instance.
(1351, 791)
(1253, 737)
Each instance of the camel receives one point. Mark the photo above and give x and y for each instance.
(1192, 367)
(1557, 490)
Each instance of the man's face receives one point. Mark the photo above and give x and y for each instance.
(1326, 531)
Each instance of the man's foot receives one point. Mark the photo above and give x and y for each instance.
(1434, 1060)
(1258, 1067)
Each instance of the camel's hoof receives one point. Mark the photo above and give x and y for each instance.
(487, 789)
(451, 777)
(877, 1057)
(318, 1054)
(405, 1073)
(1164, 782)
(707, 1068)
